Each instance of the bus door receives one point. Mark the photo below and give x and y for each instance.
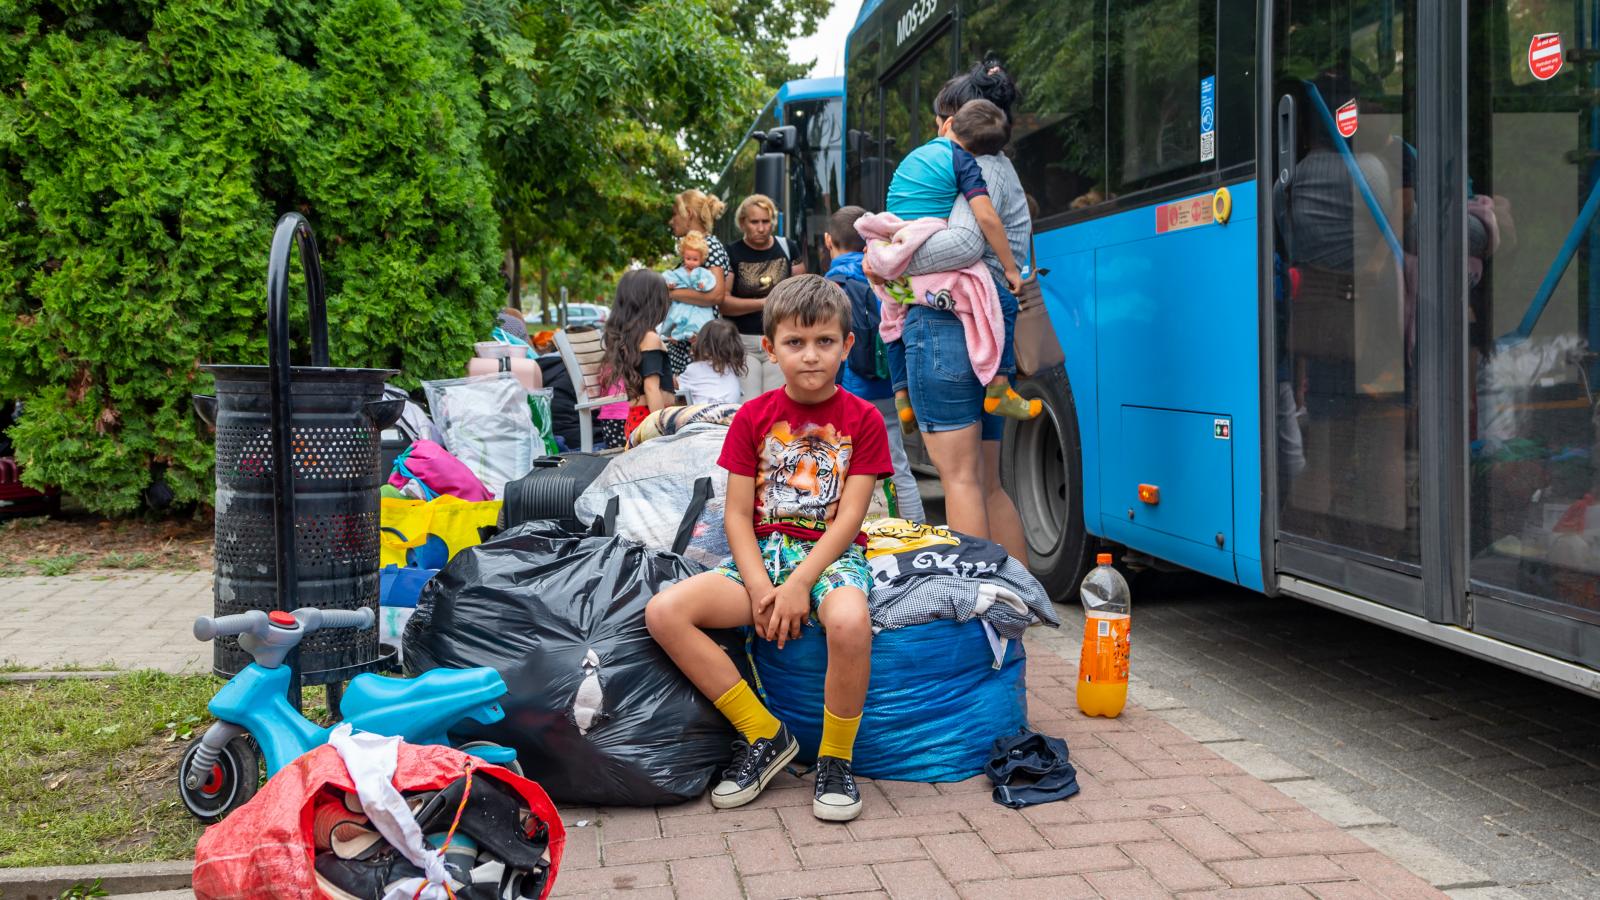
(1343, 302)
(1532, 324)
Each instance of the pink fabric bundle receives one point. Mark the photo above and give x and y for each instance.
(891, 242)
(439, 472)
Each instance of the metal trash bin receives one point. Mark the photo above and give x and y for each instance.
(298, 478)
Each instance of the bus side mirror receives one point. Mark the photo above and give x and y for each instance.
(770, 175)
(783, 139)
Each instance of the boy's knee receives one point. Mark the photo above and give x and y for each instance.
(663, 611)
(845, 620)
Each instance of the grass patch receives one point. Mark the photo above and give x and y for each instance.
(114, 560)
(90, 772)
(65, 564)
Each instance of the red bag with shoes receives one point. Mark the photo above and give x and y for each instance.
(268, 848)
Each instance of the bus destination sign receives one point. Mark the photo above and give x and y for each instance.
(912, 19)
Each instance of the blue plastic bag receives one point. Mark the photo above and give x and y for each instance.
(935, 703)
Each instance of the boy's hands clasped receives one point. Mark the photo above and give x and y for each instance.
(779, 613)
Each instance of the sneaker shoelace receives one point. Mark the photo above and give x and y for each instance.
(833, 777)
(744, 763)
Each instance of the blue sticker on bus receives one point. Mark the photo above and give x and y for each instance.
(1208, 118)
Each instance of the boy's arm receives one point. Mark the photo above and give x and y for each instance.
(994, 231)
(792, 604)
(738, 519)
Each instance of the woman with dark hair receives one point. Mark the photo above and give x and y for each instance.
(968, 456)
(634, 354)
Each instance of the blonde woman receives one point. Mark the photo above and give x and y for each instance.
(757, 264)
(694, 210)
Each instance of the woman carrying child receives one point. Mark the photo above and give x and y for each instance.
(694, 210)
(634, 353)
(719, 363)
(968, 454)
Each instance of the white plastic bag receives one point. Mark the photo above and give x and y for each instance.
(1509, 376)
(487, 425)
(654, 484)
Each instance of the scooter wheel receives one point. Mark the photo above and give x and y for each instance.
(514, 767)
(233, 780)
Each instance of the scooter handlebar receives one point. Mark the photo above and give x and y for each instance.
(253, 622)
(343, 618)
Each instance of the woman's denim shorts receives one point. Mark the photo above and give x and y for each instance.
(944, 392)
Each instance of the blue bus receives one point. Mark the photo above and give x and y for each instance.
(814, 172)
(1324, 273)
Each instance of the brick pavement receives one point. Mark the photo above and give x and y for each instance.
(1491, 767)
(125, 620)
(1160, 814)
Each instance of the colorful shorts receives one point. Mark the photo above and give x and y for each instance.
(782, 554)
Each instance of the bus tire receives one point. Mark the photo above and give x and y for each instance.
(1041, 468)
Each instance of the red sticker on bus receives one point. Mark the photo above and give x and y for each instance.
(1347, 118)
(1181, 214)
(1544, 55)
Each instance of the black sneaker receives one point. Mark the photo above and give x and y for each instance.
(754, 764)
(837, 798)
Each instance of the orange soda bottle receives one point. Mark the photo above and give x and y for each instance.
(1103, 667)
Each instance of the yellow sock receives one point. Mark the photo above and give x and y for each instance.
(838, 735)
(745, 711)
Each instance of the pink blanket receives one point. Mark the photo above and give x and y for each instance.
(968, 292)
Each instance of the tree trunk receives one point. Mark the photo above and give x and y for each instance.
(544, 295)
(513, 270)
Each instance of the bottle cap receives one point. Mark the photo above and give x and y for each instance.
(1102, 559)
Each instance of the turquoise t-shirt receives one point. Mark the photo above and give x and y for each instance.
(928, 180)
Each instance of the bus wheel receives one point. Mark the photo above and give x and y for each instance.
(1041, 467)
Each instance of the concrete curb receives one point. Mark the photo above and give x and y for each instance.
(48, 882)
(89, 675)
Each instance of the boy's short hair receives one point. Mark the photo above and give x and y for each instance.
(806, 300)
(694, 240)
(842, 228)
(981, 127)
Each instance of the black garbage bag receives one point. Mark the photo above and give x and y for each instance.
(597, 712)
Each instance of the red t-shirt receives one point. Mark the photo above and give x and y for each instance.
(800, 455)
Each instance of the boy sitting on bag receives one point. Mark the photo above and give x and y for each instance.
(802, 461)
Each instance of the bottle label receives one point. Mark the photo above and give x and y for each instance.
(1105, 650)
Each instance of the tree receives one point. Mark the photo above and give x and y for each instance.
(764, 29)
(146, 149)
(596, 111)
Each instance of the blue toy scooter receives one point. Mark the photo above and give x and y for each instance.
(222, 768)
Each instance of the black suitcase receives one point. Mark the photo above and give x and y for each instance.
(551, 490)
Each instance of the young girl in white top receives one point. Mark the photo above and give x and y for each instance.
(719, 363)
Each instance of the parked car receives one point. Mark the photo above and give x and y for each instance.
(578, 314)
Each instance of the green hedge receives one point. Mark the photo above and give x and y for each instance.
(146, 150)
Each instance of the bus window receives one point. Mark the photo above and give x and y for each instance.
(1058, 127)
(814, 174)
(1533, 301)
(1346, 381)
(908, 101)
(1159, 52)
(736, 180)
(864, 181)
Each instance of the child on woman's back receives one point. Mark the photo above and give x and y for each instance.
(634, 354)
(684, 320)
(926, 185)
(719, 363)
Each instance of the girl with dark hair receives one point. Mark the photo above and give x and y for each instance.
(986, 80)
(634, 354)
(719, 363)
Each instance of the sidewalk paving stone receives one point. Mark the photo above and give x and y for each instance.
(1160, 813)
